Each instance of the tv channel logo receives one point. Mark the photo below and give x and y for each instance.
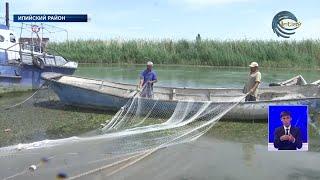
(284, 24)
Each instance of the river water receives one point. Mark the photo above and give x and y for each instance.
(230, 150)
(190, 76)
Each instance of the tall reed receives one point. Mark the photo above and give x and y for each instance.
(304, 53)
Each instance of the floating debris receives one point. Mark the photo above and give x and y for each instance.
(44, 160)
(19, 147)
(62, 175)
(7, 130)
(32, 168)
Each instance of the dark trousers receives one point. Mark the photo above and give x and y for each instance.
(147, 91)
(251, 98)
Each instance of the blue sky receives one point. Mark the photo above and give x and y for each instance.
(175, 19)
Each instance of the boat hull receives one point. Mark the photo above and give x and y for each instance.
(89, 98)
(26, 76)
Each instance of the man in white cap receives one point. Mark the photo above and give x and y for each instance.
(253, 82)
(147, 78)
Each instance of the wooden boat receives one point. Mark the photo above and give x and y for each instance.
(108, 95)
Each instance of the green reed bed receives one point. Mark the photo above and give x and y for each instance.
(304, 53)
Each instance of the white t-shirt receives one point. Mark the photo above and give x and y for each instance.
(252, 79)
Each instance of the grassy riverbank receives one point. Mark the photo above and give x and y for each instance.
(43, 118)
(200, 52)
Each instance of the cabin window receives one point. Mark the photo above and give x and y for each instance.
(1, 38)
(12, 38)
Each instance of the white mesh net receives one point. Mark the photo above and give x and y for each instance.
(140, 127)
(147, 123)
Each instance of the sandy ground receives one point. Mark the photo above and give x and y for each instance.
(206, 158)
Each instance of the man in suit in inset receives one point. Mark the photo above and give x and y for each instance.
(287, 137)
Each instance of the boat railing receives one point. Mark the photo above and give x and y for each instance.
(38, 44)
(32, 54)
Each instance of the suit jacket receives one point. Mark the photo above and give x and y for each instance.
(287, 145)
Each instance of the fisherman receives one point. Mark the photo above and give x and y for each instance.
(147, 78)
(253, 82)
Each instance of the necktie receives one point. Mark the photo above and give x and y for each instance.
(287, 131)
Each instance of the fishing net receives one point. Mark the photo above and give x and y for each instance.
(141, 124)
(145, 123)
(140, 127)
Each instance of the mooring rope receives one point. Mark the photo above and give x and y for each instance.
(24, 101)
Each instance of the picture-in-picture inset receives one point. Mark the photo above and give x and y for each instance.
(288, 128)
